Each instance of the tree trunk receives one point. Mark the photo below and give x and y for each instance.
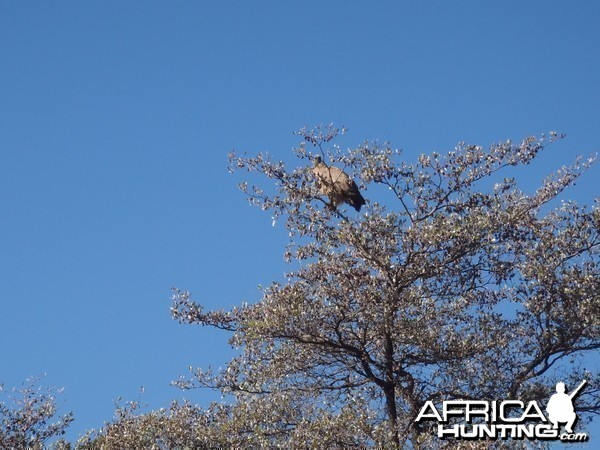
(390, 390)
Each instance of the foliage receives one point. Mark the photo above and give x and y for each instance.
(455, 287)
(30, 422)
(186, 426)
(180, 426)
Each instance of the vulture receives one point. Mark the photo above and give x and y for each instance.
(337, 185)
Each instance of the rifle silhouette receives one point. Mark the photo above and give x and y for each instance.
(576, 391)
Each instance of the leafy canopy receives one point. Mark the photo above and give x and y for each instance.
(452, 283)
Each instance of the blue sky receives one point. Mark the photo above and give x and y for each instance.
(115, 122)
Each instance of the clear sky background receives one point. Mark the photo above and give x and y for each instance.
(116, 118)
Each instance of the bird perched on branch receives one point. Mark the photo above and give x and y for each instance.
(337, 185)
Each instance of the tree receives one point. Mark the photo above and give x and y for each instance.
(31, 422)
(459, 285)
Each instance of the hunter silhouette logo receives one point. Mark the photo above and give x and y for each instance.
(506, 419)
(560, 407)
